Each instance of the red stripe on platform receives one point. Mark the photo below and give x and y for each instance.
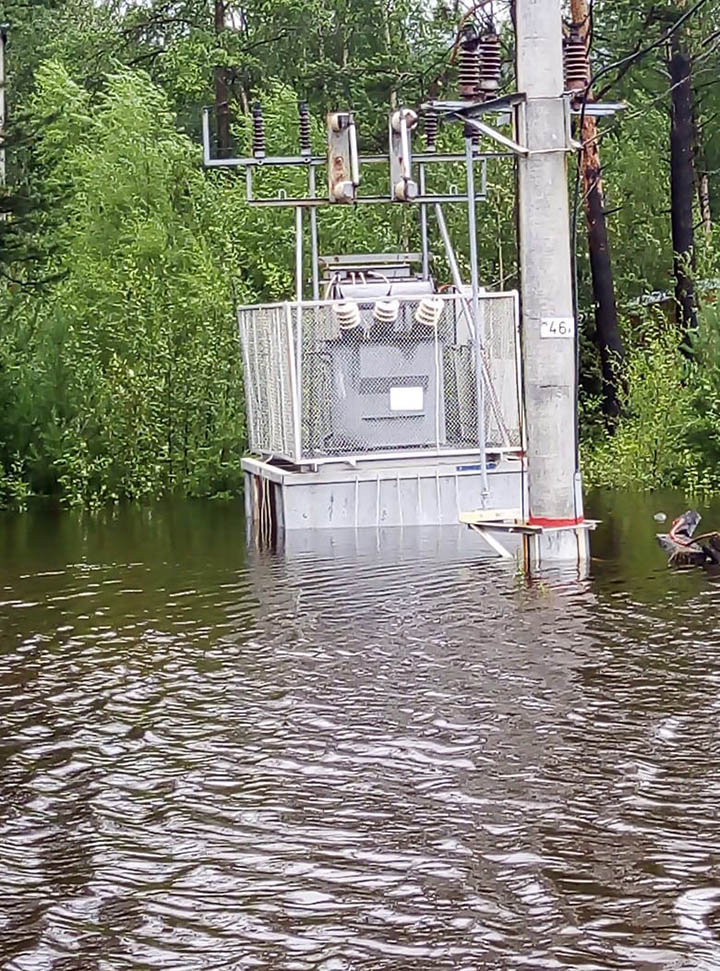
(554, 523)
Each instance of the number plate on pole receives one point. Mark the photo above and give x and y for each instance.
(557, 327)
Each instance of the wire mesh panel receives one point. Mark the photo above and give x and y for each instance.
(373, 377)
(499, 326)
(384, 375)
(267, 338)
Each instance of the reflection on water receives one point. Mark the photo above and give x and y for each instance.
(370, 751)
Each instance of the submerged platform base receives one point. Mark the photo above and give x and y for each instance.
(397, 492)
(541, 544)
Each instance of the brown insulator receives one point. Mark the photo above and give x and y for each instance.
(432, 123)
(490, 64)
(469, 67)
(304, 125)
(258, 136)
(470, 74)
(577, 65)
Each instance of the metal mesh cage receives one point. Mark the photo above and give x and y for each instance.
(266, 334)
(340, 378)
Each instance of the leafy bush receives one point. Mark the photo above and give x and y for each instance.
(122, 380)
(669, 434)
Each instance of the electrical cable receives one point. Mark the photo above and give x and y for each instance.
(637, 54)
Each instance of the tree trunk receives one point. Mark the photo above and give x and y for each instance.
(607, 332)
(704, 201)
(389, 49)
(702, 179)
(222, 94)
(682, 186)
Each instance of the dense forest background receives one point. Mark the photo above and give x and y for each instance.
(121, 258)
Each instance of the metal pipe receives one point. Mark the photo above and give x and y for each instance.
(298, 256)
(482, 128)
(356, 459)
(474, 282)
(294, 389)
(450, 253)
(454, 268)
(405, 146)
(206, 138)
(439, 385)
(314, 238)
(303, 160)
(366, 200)
(354, 163)
(298, 325)
(450, 298)
(424, 228)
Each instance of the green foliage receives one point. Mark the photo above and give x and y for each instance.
(128, 380)
(120, 373)
(669, 434)
(14, 490)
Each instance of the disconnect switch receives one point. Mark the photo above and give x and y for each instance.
(402, 186)
(343, 163)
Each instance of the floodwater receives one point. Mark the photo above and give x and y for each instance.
(376, 751)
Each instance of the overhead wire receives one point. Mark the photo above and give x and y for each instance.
(623, 62)
(628, 59)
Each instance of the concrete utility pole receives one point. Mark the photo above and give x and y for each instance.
(548, 323)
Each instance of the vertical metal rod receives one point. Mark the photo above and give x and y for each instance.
(298, 255)
(424, 228)
(354, 159)
(405, 147)
(314, 238)
(294, 392)
(205, 129)
(439, 389)
(248, 183)
(298, 327)
(479, 336)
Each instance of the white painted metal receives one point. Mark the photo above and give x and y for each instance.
(399, 493)
(318, 393)
(494, 543)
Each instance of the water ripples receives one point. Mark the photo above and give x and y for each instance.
(382, 752)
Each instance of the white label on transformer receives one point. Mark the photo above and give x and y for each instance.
(557, 327)
(406, 399)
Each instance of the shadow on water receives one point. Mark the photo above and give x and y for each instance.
(368, 750)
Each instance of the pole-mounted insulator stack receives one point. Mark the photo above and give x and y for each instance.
(469, 73)
(490, 64)
(432, 123)
(469, 66)
(258, 136)
(576, 62)
(304, 126)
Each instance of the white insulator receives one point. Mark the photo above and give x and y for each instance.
(386, 311)
(410, 117)
(429, 311)
(347, 314)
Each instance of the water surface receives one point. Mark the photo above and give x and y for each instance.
(373, 751)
